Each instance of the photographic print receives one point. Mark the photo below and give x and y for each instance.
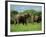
(25, 18)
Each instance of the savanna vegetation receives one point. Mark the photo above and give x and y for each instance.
(31, 24)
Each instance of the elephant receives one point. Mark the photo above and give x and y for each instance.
(22, 18)
(37, 19)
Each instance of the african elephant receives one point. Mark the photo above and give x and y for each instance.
(37, 19)
(22, 18)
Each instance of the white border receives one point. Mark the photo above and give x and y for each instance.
(29, 32)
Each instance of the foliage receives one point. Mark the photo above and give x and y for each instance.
(33, 12)
(14, 12)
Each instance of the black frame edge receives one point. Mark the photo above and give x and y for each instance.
(44, 18)
(27, 2)
(6, 4)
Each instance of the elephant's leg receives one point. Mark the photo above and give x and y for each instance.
(16, 22)
(38, 21)
(22, 21)
(25, 21)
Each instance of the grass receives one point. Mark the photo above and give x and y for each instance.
(28, 27)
